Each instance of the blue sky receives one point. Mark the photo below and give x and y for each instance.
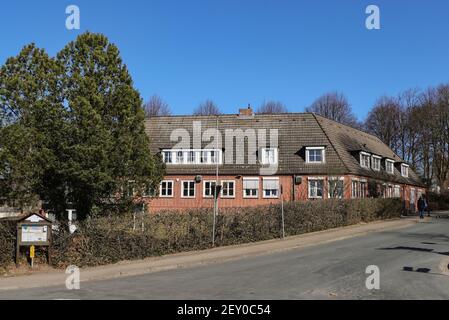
(237, 52)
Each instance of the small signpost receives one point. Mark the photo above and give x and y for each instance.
(33, 230)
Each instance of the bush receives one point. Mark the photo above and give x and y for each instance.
(7, 243)
(104, 240)
(438, 201)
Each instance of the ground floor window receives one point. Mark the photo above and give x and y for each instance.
(166, 188)
(250, 187)
(149, 191)
(354, 189)
(188, 189)
(316, 188)
(228, 189)
(208, 189)
(271, 187)
(363, 189)
(336, 188)
(397, 192)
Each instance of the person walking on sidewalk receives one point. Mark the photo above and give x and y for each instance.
(421, 207)
(426, 205)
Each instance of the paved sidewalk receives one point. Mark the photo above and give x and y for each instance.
(195, 258)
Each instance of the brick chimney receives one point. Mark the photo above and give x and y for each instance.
(246, 112)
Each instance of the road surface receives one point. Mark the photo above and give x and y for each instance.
(413, 264)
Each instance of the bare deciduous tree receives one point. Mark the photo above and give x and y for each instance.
(156, 107)
(207, 108)
(416, 126)
(272, 107)
(334, 106)
(382, 121)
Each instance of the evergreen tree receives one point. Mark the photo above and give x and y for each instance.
(72, 129)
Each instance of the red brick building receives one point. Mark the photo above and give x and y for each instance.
(257, 159)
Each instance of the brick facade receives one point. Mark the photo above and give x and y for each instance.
(291, 192)
(306, 146)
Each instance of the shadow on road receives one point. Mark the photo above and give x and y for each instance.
(415, 249)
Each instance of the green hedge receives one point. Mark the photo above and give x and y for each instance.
(7, 243)
(104, 240)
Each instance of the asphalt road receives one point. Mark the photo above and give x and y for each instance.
(413, 264)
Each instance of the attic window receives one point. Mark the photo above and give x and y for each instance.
(269, 155)
(404, 170)
(365, 159)
(315, 155)
(389, 166)
(375, 163)
(192, 156)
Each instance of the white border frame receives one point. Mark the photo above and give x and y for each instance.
(221, 192)
(197, 161)
(308, 187)
(182, 189)
(372, 162)
(258, 187)
(204, 189)
(172, 189)
(329, 179)
(323, 155)
(392, 165)
(279, 189)
(363, 153)
(405, 166)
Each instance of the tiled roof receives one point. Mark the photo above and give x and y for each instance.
(296, 131)
(348, 141)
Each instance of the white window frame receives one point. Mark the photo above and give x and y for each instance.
(397, 191)
(204, 188)
(323, 155)
(355, 191)
(278, 190)
(164, 156)
(187, 158)
(309, 189)
(363, 191)
(182, 189)
(244, 189)
(378, 160)
(222, 189)
(406, 168)
(198, 154)
(338, 179)
(268, 159)
(362, 163)
(392, 166)
(172, 189)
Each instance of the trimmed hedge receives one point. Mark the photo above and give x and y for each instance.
(7, 243)
(104, 240)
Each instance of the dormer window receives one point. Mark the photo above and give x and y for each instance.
(269, 155)
(404, 170)
(365, 160)
(315, 155)
(375, 163)
(166, 156)
(389, 166)
(191, 156)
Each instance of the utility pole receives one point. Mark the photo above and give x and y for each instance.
(282, 213)
(216, 188)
